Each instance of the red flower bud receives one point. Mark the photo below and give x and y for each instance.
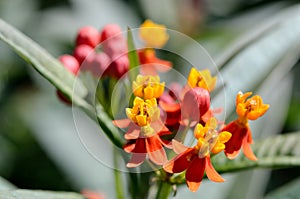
(82, 52)
(98, 64)
(119, 67)
(88, 35)
(110, 30)
(70, 63)
(196, 103)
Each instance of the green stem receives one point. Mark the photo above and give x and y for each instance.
(164, 190)
(118, 178)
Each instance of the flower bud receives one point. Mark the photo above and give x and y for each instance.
(98, 64)
(82, 52)
(109, 31)
(88, 35)
(195, 104)
(70, 63)
(119, 67)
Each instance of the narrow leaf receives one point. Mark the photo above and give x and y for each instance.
(132, 55)
(41, 60)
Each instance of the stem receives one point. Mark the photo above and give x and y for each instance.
(164, 190)
(118, 178)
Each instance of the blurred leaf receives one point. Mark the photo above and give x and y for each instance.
(41, 60)
(28, 194)
(275, 152)
(270, 56)
(290, 191)
(132, 55)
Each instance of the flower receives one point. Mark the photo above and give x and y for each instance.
(144, 132)
(150, 64)
(148, 87)
(202, 79)
(154, 35)
(196, 160)
(250, 109)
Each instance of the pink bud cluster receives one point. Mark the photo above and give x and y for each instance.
(110, 59)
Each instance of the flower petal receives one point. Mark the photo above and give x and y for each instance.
(132, 133)
(179, 163)
(136, 160)
(211, 173)
(155, 150)
(178, 147)
(194, 173)
(247, 150)
(123, 123)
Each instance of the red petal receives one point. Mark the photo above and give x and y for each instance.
(194, 173)
(121, 123)
(136, 160)
(140, 146)
(211, 173)
(132, 133)
(155, 150)
(129, 147)
(247, 149)
(180, 162)
(178, 147)
(233, 146)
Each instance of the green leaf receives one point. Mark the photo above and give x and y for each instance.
(132, 55)
(29, 194)
(290, 191)
(41, 60)
(274, 152)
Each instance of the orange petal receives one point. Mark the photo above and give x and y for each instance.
(248, 150)
(121, 123)
(194, 173)
(178, 147)
(179, 163)
(211, 173)
(136, 160)
(158, 157)
(132, 133)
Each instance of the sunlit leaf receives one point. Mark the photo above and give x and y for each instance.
(29, 194)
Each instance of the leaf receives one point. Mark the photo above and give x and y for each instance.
(272, 55)
(290, 190)
(274, 152)
(41, 60)
(132, 55)
(29, 194)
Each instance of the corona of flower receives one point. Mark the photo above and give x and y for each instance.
(196, 160)
(202, 79)
(148, 87)
(154, 35)
(247, 109)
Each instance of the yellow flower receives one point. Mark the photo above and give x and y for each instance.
(143, 112)
(202, 79)
(252, 108)
(148, 87)
(154, 35)
(209, 139)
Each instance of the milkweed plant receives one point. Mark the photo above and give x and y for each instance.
(168, 132)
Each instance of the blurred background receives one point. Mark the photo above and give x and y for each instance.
(39, 146)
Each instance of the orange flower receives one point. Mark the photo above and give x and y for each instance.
(247, 109)
(150, 64)
(196, 160)
(145, 129)
(202, 79)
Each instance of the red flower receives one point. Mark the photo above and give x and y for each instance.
(250, 109)
(196, 160)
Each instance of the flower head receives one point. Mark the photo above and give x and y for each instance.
(154, 35)
(202, 79)
(148, 87)
(196, 160)
(252, 108)
(143, 112)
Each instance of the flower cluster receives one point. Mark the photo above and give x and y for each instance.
(159, 117)
(157, 112)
